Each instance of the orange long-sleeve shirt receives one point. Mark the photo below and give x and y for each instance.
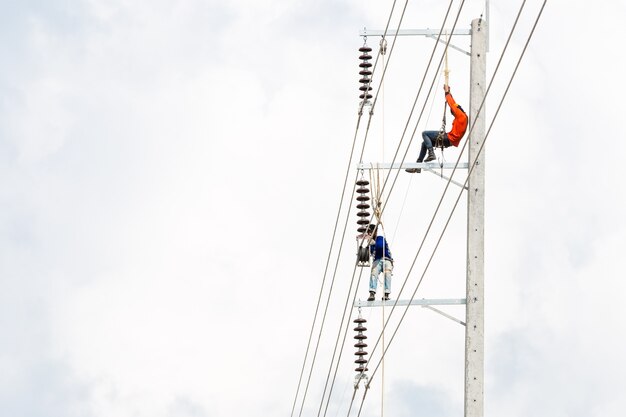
(459, 125)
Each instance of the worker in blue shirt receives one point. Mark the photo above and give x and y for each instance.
(383, 262)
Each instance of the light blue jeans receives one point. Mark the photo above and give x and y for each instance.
(377, 269)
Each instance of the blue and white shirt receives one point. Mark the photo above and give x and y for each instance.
(379, 248)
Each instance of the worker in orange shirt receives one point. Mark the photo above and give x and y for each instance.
(453, 137)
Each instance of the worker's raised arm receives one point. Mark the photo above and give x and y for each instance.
(456, 109)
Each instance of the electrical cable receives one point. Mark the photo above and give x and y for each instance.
(332, 244)
(416, 98)
(348, 214)
(343, 318)
(419, 92)
(344, 232)
(479, 112)
(324, 281)
(408, 188)
(462, 149)
(424, 106)
(471, 169)
(425, 102)
(392, 47)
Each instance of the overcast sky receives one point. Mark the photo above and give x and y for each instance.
(170, 173)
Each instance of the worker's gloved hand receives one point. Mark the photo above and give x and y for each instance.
(446, 88)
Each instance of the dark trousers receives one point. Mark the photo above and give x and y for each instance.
(428, 138)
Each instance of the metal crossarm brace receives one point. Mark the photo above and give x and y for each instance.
(446, 315)
(450, 45)
(446, 178)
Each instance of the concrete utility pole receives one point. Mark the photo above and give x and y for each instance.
(475, 307)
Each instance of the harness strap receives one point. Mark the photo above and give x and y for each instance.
(442, 132)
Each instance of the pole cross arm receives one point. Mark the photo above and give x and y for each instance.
(405, 165)
(416, 302)
(429, 33)
(414, 32)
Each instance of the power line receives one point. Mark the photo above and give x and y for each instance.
(443, 25)
(478, 114)
(461, 192)
(331, 248)
(415, 102)
(334, 233)
(346, 223)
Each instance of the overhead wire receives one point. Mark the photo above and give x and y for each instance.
(430, 62)
(460, 153)
(419, 92)
(443, 25)
(408, 188)
(425, 102)
(332, 243)
(336, 223)
(467, 179)
(421, 113)
(419, 118)
(348, 212)
(367, 130)
(397, 170)
(478, 114)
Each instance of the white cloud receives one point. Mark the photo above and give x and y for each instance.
(170, 184)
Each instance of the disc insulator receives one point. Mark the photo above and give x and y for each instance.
(360, 345)
(365, 48)
(365, 72)
(360, 337)
(359, 320)
(363, 214)
(365, 88)
(360, 353)
(363, 181)
(368, 96)
(365, 57)
(361, 361)
(363, 197)
(365, 64)
(362, 229)
(364, 80)
(362, 221)
(360, 328)
(361, 369)
(363, 206)
(362, 190)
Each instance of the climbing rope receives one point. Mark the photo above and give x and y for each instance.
(442, 132)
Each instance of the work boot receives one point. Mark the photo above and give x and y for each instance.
(414, 170)
(431, 155)
(386, 297)
(371, 297)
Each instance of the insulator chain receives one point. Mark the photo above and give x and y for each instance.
(364, 216)
(365, 74)
(360, 353)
